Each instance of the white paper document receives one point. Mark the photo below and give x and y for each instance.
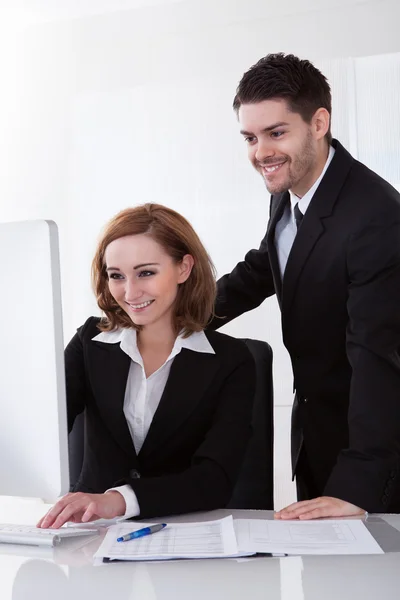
(305, 537)
(211, 539)
(226, 538)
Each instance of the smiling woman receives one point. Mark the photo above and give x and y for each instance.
(151, 251)
(167, 405)
(146, 291)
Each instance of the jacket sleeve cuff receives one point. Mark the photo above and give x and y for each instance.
(367, 484)
(131, 501)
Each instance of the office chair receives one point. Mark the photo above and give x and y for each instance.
(254, 488)
(75, 449)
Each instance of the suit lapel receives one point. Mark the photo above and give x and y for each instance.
(190, 376)
(110, 366)
(278, 204)
(312, 226)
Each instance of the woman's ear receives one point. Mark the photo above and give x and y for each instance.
(185, 268)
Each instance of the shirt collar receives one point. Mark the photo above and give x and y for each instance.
(197, 342)
(306, 199)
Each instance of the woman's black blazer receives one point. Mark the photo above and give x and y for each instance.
(193, 451)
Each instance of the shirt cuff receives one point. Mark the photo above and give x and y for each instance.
(131, 501)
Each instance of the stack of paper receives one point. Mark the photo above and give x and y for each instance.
(305, 537)
(226, 538)
(210, 539)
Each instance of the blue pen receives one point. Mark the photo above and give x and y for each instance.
(141, 532)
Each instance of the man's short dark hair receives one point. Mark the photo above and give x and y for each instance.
(280, 76)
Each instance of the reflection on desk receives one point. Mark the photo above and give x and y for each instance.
(69, 573)
(40, 579)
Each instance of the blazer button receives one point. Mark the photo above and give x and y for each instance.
(134, 474)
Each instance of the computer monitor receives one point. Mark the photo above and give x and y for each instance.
(33, 419)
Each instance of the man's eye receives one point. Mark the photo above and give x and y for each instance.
(145, 273)
(277, 134)
(250, 139)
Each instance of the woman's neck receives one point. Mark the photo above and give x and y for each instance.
(161, 338)
(155, 345)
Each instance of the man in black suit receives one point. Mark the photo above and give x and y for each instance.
(332, 255)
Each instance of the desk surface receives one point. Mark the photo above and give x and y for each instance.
(66, 572)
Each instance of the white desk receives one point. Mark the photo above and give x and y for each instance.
(62, 573)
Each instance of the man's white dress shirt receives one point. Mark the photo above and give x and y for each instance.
(143, 394)
(286, 228)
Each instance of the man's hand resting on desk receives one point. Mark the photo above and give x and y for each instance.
(81, 508)
(319, 508)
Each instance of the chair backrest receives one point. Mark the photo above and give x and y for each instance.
(255, 486)
(76, 440)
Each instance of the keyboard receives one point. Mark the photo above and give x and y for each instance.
(34, 536)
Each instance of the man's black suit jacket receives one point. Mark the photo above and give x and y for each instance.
(340, 303)
(193, 451)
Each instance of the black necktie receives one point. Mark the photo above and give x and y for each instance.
(298, 215)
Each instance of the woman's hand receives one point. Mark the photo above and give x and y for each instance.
(319, 508)
(81, 508)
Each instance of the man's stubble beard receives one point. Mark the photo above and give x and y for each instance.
(298, 168)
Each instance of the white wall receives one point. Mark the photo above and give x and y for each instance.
(106, 111)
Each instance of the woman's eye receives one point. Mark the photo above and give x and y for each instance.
(115, 276)
(145, 273)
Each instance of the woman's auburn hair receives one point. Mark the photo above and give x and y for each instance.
(194, 303)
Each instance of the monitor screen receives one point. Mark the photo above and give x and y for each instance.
(33, 420)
